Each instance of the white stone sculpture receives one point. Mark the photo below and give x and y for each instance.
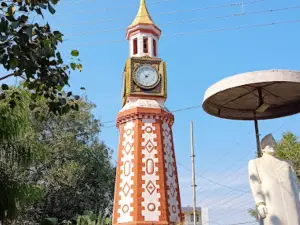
(274, 186)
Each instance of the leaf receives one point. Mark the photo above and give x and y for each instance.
(73, 66)
(39, 11)
(42, 6)
(58, 35)
(11, 10)
(24, 19)
(11, 18)
(59, 59)
(51, 9)
(13, 63)
(59, 88)
(3, 25)
(54, 2)
(79, 66)
(23, 8)
(82, 88)
(76, 107)
(3, 4)
(4, 87)
(29, 32)
(75, 53)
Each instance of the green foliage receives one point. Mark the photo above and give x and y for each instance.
(253, 213)
(69, 170)
(16, 191)
(29, 50)
(90, 218)
(288, 148)
(49, 221)
(13, 122)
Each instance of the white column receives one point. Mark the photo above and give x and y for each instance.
(140, 45)
(131, 47)
(157, 48)
(150, 45)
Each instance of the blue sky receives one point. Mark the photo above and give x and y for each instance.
(194, 62)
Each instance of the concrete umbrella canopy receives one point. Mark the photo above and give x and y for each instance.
(258, 95)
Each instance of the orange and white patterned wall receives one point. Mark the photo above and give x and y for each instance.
(147, 190)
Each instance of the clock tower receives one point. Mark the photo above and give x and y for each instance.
(147, 188)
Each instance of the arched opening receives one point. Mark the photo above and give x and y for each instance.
(145, 44)
(154, 48)
(135, 46)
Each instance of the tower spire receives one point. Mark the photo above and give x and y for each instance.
(143, 16)
(143, 34)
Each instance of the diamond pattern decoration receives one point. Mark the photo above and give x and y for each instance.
(170, 170)
(128, 148)
(170, 153)
(150, 187)
(149, 146)
(172, 190)
(126, 189)
(166, 132)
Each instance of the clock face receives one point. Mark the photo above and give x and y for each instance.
(146, 77)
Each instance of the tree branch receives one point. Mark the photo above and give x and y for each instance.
(12, 74)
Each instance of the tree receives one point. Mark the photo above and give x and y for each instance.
(69, 170)
(29, 51)
(288, 148)
(77, 174)
(14, 154)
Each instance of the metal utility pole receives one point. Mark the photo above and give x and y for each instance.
(259, 154)
(193, 173)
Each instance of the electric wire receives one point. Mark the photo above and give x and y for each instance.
(190, 21)
(216, 191)
(275, 131)
(212, 181)
(109, 121)
(237, 161)
(225, 154)
(234, 4)
(228, 182)
(214, 205)
(119, 7)
(107, 9)
(236, 206)
(199, 32)
(172, 111)
(228, 200)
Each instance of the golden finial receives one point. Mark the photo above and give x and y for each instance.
(143, 16)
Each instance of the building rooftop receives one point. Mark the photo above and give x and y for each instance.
(190, 209)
